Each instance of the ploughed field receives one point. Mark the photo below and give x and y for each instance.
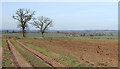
(59, 52)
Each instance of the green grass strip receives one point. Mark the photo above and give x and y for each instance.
(6, 57)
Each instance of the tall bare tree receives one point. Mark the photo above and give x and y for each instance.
(23, 16)
(43, 23)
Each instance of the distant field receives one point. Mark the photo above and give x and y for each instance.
(35, 35)
(57, 35)
(0, 42)
(94, 37)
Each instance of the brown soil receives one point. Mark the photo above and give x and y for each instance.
(97, 52)
(45, 58)
(18, 59)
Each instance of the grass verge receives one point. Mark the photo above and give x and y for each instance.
(6, 57)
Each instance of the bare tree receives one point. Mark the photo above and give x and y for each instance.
(23, 16)
(43, 23)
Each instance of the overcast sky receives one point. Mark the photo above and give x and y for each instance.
(67, 15)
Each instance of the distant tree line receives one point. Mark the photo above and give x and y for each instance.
(7, 31)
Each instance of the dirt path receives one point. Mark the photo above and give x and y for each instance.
(45, 58)
(24, 50)
(18, 59)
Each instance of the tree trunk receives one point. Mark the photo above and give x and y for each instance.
(23, 32)
(42, 35)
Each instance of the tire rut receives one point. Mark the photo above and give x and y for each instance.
(13, 57)
(29, 51)
(18, 59)
(43, 57)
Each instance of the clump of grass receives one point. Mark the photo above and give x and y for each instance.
(29, 57)
(6, 57)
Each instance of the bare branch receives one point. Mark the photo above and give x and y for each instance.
(23, 16)
(43, 23)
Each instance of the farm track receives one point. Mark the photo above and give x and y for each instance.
(43, 57)
(23, 49)
(17, 58)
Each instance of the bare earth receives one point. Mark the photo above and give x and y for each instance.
(45, 58)
(19, 58)
(96, 52)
